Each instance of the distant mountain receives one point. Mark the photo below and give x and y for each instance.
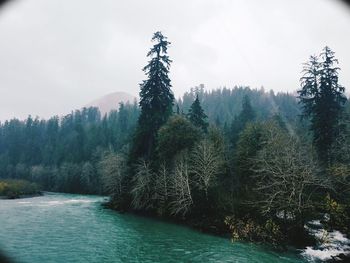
(111, 101)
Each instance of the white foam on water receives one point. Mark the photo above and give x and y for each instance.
(71, 201)
(317, 254)
(339, 237)
(330, 244)
(315, 223)
(79, 201)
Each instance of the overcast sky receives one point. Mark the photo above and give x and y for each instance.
(58, 55)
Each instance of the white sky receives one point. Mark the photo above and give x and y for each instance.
(58, 55)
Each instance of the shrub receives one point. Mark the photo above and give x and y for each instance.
(11, 188)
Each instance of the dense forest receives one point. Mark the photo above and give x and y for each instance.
(62, 154)
(248, 161)
(51, 151)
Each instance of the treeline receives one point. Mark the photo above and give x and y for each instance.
(257, 169)
(223, 105)
(62, 154)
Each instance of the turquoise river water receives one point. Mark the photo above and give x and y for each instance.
(76, 228)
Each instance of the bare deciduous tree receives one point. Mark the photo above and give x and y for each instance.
(180, 190)
(205, 165)
(286, 176)
(161, 193)
(340, 176)
(340, 167)
(112, 169)
(142, 186)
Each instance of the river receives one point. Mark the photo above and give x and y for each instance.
(76, 228)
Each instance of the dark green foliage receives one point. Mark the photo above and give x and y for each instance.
(278, 120)
(246, 115)
(323, 100)
(69, 180)
(88, 179)
(61, 154)
(249, 143)
(197, 116)
(156, 98)
(12, 188)
(222, 105)
(175, 136)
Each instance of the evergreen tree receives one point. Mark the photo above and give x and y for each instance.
(175, 136)
(177, 109)
(322, 99)
(156, 98)
(239, 123)
(197, 116)
(247, 114)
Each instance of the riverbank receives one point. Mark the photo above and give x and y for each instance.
(214, 227)
(334, 249)
(13, 189)
(205, 224)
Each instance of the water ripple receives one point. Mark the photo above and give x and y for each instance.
(74, 228)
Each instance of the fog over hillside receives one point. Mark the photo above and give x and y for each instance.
(111, 101)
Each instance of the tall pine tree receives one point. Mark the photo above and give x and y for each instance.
(245, 116)
(323, 100)
(156, 98)
(197, 116)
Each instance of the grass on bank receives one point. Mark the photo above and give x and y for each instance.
(12, 188)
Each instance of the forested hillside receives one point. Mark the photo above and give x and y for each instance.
(62, 153)
(60, 147)
(222, 105)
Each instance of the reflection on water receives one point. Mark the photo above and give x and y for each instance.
(75, 228)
